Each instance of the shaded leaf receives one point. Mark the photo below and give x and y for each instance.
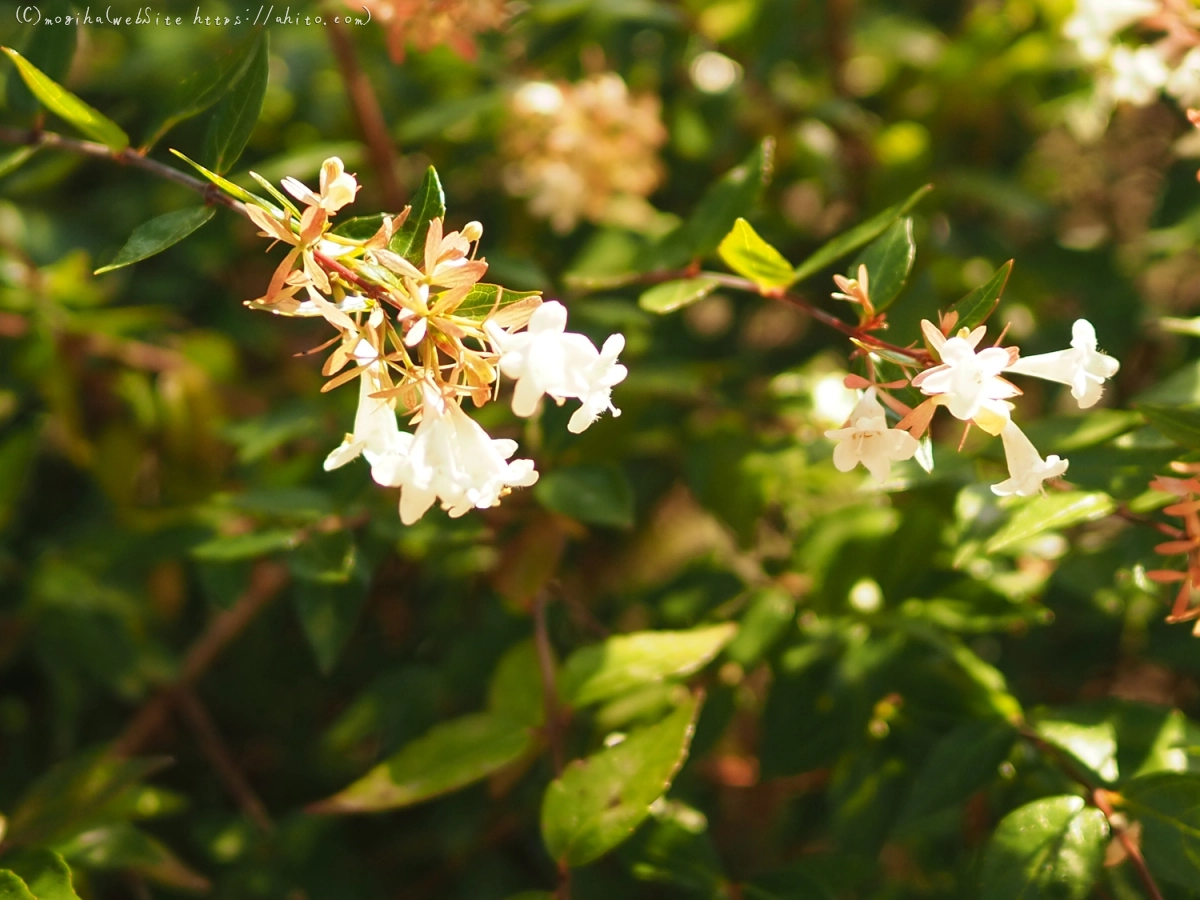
(675, 848)
(1053, 847)
(1048, 512)
(158, 234)
(672, 295)
(328, 613)
(245, 546)
(597, 494)
(744, 251)
(450, 756)
(629, 661)
(959, 764)
(1179, 424)
(888, 259)
(975, 308)
(67, 106)
(1168, 806)
(598, 802)
(236, 115)
(515, 691)
(428, 203)
(124, 846)
(846, 243)
(12, 161)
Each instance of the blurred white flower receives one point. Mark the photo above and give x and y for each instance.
(970, 381)
(1137, 75)
(547, 359)
(452, 459)
(867, 439)
(1083, 367)
(1184, 82)
(1095, 22)
(1026, 468)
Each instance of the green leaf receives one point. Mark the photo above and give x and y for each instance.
(45, 872)
(360, 228)
(1168, 806)
(236, 115)
(1092, 743)
(485, 300)
(1051, 511)
(245, 546)
(769, 614)
(744, 251)
(238, 193)
(888, 259)
(124, 846)
(847, 243)
(158, 234)
(10, 162)
(675, 848)
(1179, 424)
(598, 802)
(672, 295)
(13, 888)
(428, 203)
(450, 756)
(515, 691)
(975, 308)
(67, 106)
(627, 661)
(731, 196)
(960, 763)
(51, 49)
(1053, 847)
(200, 90)
(598, 494)
(328, 613)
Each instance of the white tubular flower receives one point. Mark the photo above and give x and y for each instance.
(970, 381)
(451, 459)
(867, 439)
(1026, 468)
(1138, 75)
(338, 187)
(1083, 367)
(376, 434)
(547, 359)
(1096, 21)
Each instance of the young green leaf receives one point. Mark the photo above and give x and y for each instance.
(889, 259)
(975, 308)
(744, 251)
(51, 49)
(627, 661)
(13, 888)
(45, 873)
(428, 203)
(598, 802)
(672, 295)
(485, 300)
(598, 494)
(67, 106)
(236, 115)
(1052, 847)
(959, 764)
(1052, 511)
(1179, 424)
(450, 756)
(1168, 807)
(233, 190)
(847, 243)
(158, 234)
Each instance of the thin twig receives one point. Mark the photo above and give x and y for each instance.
(213, 746)
(370, 117)
(267, 580)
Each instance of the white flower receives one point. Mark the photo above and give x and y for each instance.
(1138, 75)
(338, 187)
(1096, 21)
(1083, 367)
(1184, 83)
(452, 459)
(547, 359)
(968, 380)
(867, 439)
(1027, 470)
(376, 433)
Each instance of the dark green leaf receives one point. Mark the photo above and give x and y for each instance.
(124, 846)
(1179, 424)
(627, 661)
(51, 50)
(236, 115)
(673, 295)
(46, 874)
(451, 756)
(13, 888)
(598, 802)
(1052, 511)
(245, 546)
(768, 615)
(888, 259)
(360, 228)
(67, 106)
(1168, 806)
(847, 243)
(485, 300)
(1053, 847)
(960, 763)
(675, 848)
(515, 692)
(744, 251)
(158, 234)
(428, 203)
(975, 308)
(328, 613)
(597, 494)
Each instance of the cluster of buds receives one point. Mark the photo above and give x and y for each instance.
(582, 150)
(1184, 541)
(953, 372)
(421, 333)
(1136, 74)
(431, 23)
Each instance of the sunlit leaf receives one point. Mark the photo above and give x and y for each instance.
(744, 251)
(975, 308)
(428, 203)
(51, 49)
(46, 874)
(485, 300)
(672, 295)
(1052, 511)
(1052, 847)
(13, 888)
(67, 106)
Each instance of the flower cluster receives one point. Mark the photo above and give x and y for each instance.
(969, 382)
(421, 333)
(429, 23)
(1136, 74)
(585, 150)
